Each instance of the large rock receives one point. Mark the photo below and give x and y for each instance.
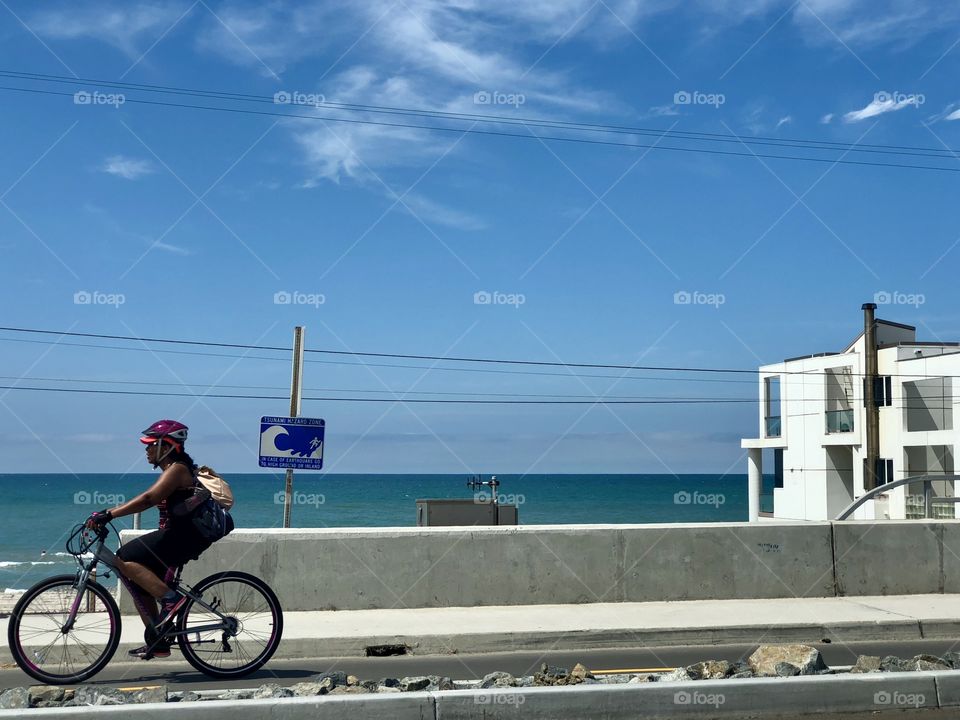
(710, 670)
(891, 663)
(331, 679)
(413, 684)
(785, 669)
(615, 679)
(271, 691)
(498, 679)
(190, 696)
(440, 682)
(551, 675)
(677, 675)
(308, 689)
(46, 694)
(928, 662)
(349, 690)
(954, 659)
(764, 660)
(580, 673)
(15, 699)
(95, 695)
(149, 695)
(236, 695)
(866, 664)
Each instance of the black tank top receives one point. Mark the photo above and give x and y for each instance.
(168, 519)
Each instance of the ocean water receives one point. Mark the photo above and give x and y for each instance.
(39, 511)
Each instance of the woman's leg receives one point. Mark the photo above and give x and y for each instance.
(144, 577)
(145, 604)
(142, 562)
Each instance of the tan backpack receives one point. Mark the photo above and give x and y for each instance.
(218, 487)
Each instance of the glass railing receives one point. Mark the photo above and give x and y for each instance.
(773, 426)
(839, 421)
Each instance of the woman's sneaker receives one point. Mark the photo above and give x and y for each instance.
(160, 650)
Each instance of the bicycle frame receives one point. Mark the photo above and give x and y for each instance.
(102, 554)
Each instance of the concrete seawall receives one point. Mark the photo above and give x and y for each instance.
(371, 568)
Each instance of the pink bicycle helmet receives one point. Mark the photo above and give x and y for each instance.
(172, 431)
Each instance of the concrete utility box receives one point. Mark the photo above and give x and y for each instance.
(464, 512)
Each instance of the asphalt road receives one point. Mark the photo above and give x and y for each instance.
(179, 676)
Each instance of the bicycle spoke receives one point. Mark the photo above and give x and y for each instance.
(248, 610)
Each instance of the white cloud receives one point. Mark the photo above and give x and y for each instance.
(663, 111)
(783, 121)
(881, 104)
(826, 119)
(129, 26)
(434, 54)
(856, 23)
(174, 249)
(127, 168)
(873, 22)
(430, 210)
(951, 112)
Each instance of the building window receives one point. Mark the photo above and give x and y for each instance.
(882, 391)
(838, 392)
(884, 471)
(771, 392)
(928, 404)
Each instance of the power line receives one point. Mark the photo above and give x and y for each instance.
(94, 381)
(452, 358)
(18, 378)
(528, 136)
(352, 353)
(596, 401)
(432, 368)
(502, 119)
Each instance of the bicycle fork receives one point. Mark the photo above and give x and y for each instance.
(83, 578)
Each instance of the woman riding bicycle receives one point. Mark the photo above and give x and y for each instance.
(150, 559)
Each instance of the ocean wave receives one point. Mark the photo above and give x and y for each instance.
(11, 591)
(15, 563)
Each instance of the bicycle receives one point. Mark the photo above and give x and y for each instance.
(65, 629)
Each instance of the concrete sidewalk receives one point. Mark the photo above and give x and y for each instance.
(425, 631)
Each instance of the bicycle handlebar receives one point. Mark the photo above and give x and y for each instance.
(83, 538)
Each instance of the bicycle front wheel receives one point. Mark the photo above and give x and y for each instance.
(239, 630)
(49, 651)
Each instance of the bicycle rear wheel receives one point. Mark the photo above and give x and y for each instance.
(47, 652)
(253, 629)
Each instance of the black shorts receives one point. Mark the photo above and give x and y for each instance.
(163, 549)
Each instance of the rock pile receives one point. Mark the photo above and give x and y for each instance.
(766, 661)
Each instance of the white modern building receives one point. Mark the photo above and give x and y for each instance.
(814, 418)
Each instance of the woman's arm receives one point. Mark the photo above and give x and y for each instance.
(173, 478)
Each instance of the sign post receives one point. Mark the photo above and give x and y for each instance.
(295, 396)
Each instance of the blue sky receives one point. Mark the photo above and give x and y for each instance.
(197, 219)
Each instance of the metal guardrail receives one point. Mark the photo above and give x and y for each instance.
(927, 493)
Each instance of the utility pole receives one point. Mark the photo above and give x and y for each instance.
(296, 391)
(872, 412)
